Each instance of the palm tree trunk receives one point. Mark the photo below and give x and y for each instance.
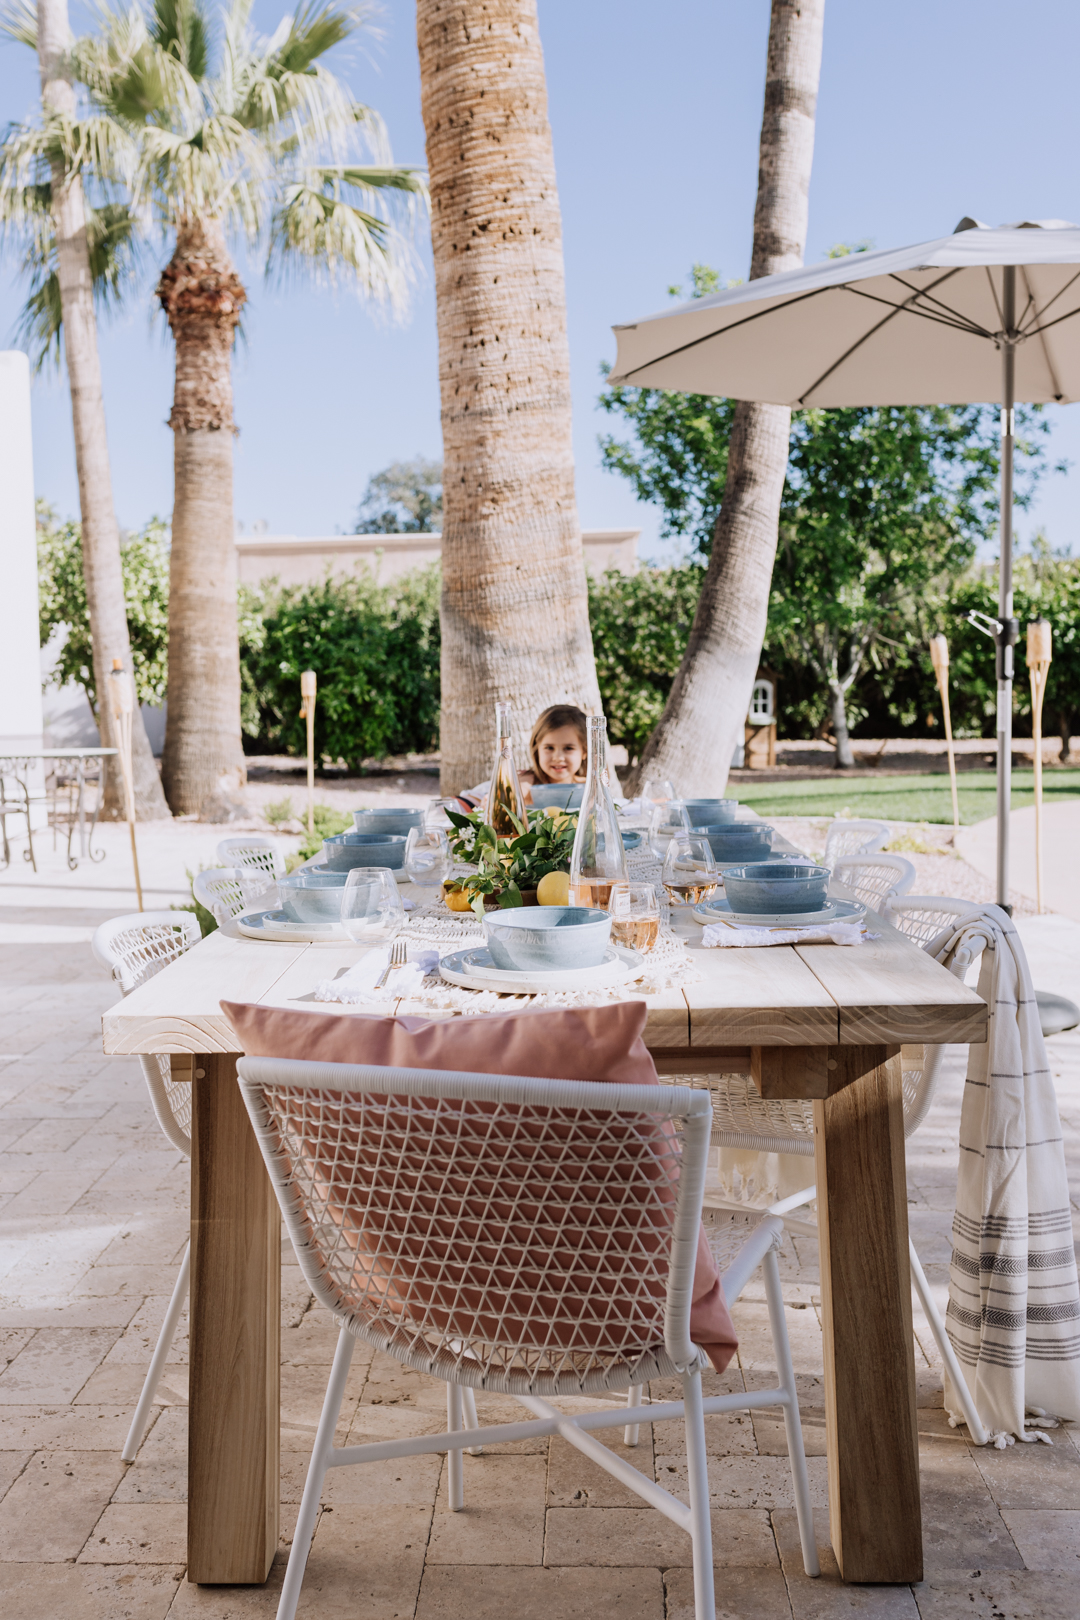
(202, 296)
(706, 709)
(515, 622)
(100, 533)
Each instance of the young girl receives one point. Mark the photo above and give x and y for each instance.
(558, 746)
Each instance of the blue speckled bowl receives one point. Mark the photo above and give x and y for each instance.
(547, 937)
(738, 840)
(347, 850)
(777, 886)
(562, 796)
(387, 821)
(708, 812)
(312, 895)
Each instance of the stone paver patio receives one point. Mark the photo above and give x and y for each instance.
(93, 1208)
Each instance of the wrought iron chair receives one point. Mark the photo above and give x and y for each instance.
(534, 1238)
(134, 948)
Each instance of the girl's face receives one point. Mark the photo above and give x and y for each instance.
(560, 754)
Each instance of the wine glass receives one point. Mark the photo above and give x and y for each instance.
(427, 856)
(667, 822)
(371, 908)
(657, 790)
(690, 874)
(635, 915)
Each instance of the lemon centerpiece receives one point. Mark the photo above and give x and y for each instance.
(553, 889)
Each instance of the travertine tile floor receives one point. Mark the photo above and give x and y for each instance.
(92, 1225)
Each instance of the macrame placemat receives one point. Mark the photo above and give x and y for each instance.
(667, 966)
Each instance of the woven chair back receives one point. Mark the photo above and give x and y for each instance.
(532, 1236)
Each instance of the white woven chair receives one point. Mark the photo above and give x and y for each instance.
(134, 948)
(743, 1119)
(534, 1238)
(874, 878)
(264, 854)
(223, 891)
(854, 838)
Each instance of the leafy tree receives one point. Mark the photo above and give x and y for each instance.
(375, 649)
(405, 498)
(640, 626)
(144, 561)
(877, 503)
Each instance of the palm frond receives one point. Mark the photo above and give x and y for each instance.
(318, 229)
(113, 239)
(181, 28)
(18, 20)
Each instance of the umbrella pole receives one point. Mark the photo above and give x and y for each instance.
(1007, 633)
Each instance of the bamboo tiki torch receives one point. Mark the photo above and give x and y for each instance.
(939, 657)
(308, 687)
(122, 701)
(1039, 654)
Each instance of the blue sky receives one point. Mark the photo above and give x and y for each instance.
(926, 112)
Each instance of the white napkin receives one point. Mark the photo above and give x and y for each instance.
(358, 984)
(746, 934)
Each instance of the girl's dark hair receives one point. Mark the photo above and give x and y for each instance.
(553, 719)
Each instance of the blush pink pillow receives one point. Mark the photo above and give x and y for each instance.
(567, 1043)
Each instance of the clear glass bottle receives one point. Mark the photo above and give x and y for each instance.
(504, 793)
(598, 858)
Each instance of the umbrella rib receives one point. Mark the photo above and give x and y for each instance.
(943, 316)
(963, 322)
(1050, 304)
(1041, 332)
(894, 309)
(706, 337)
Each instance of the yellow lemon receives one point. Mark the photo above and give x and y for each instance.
(553, 889)
(456, 898)
(552, 811)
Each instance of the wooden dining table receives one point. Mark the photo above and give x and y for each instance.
(823, 1022)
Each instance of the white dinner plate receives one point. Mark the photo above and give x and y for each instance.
(834, 911)
(475, 970)
(276, 925)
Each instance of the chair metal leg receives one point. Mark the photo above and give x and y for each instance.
(468, 1399)
(800, 1479)
(974, 1422)
(309, 1505)
(632, 1431)
(455, 1465)
(700, 1519)
(158, 1360)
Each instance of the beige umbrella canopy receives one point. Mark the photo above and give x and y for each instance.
(987, 315)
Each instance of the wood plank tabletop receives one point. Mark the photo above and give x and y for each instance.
(884, 991)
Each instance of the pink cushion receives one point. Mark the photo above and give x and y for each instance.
(568, 1043)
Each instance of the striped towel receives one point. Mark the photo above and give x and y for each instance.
(1014, 1303)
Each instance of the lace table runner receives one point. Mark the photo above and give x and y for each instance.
(667, 966)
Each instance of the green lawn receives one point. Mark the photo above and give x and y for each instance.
(905, 798)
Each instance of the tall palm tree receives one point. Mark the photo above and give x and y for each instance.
(515, 619)
(236, 133)
(706, 709)
(42, 201)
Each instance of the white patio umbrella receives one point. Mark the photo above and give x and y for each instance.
(987, 315)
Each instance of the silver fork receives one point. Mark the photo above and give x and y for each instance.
(399, 956)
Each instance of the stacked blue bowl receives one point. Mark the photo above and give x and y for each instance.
(544, 938)
(557, 795)
(737, 840)
(312, 895)
(778, 887)
(390, 820)
(707, 812)
(348, 850)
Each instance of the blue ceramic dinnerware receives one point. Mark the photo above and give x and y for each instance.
(528, 938)
(776, 887)
(312, 895)
(387, 821)
(708, 812)
(738, 840)
(561, 796)
(346, 850)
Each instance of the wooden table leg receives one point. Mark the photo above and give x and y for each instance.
(235, 1401)
(874, 1507)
